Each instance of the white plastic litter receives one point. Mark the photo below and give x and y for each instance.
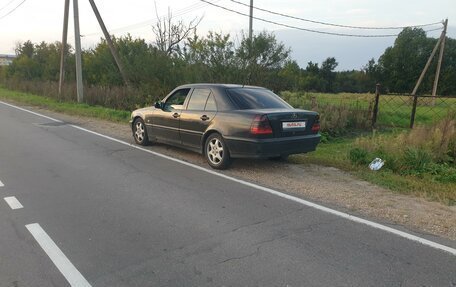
(376, 164)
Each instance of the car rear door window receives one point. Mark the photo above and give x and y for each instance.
(211, 106)
(251, 98)
(198, 99)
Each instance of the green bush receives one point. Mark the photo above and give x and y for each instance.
(358, 156)
(415, 161)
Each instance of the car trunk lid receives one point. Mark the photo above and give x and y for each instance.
(287, 123)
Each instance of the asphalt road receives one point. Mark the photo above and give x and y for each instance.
(124, 217)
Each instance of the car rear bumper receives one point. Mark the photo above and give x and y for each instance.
(264, 148)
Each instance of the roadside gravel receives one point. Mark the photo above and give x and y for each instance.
(326, 185)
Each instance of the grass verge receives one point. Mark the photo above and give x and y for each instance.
(75, 109)
(335, 154)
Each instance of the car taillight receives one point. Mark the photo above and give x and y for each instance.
(316, 125)
(261, 125)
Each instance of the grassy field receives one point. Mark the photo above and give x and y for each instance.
(341, 111)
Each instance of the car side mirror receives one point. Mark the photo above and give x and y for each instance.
(158, 105)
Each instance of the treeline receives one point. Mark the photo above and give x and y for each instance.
(156, 68)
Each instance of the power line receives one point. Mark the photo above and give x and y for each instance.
(6, 5)
(336, 25)
(183, 11)
(14, 9)
(300, 28)
(436, 29)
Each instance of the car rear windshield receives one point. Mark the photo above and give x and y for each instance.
(251, 98)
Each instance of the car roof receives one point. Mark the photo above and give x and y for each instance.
(200, 85)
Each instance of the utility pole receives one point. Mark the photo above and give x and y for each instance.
(109, 41)
(250, 47)
(426, 67)
(251, 22)
(428, 63)
(77, 43)
(64, 45)
(439, 63)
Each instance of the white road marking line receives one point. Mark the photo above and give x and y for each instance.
(1, 184)
(13, 202)
(36, 114)
(71, 274)
(278, 193)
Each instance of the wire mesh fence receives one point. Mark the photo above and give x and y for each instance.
(400, 110)
(358, 111)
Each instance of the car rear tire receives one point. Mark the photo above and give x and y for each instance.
(140, 132)
(216, 152)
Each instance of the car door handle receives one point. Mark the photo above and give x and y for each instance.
(204, 117)
(176, 115)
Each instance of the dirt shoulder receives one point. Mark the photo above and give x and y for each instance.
(326, 185)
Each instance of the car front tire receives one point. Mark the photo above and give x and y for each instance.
(216, 152)
(140, 132)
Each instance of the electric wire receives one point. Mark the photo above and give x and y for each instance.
(6, 5)
(303, 29)
(336, 25)
(183, 11)
(14, 9)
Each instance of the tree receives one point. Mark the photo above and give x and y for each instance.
(169, 35)
(25, 49)
(213, 56)
(311, 78)
(261, 57)
(290, 76)
(372, 75)
(327, 72)
(401, 64)
(447, 83)
(36, 61)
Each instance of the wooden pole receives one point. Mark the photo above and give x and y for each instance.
(251, 21)
(377, 99)
(412, 116)
(109, 41)
(439, 63)
(77, 44)
(420, 79)
(64, 45)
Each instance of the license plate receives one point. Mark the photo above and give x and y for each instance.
(293, 125)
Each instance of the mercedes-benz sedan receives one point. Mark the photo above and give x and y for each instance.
(224, 121)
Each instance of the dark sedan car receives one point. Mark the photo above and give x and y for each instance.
(227, 121)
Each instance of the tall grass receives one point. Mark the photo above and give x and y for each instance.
(427, 152)
(122, 98)
(435, 142)
(66, 107)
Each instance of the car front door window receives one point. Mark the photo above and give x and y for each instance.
(176, 100)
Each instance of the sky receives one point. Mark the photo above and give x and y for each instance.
(41, 20)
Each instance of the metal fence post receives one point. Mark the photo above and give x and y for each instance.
(412, 117)
(375, 112)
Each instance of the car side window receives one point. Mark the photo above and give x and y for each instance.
(198, 99)
(211, 106)
(176, 100)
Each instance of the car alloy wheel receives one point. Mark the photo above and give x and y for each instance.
(140, 132)
(217, 153)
